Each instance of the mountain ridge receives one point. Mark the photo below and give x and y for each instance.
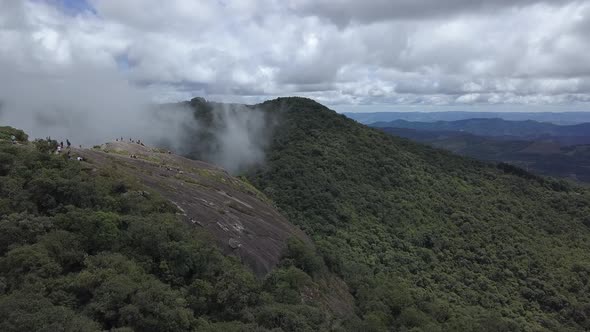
(527, 129)
(459, 244)
(422, 239)
(564, 118)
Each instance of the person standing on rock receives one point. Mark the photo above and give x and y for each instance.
(68, 143)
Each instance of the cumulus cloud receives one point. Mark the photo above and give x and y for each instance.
(340, 52)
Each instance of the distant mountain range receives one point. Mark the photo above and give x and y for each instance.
(527, 130)
(545, 148)
(564, 118)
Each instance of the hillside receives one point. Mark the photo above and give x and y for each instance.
(543, 156)
(237, 215)
(428, 240)
(133, 238)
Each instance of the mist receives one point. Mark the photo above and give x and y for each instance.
(230, 135)
(91, 106)
(85, 105)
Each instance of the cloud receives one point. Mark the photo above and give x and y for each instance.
(345, 11)
(88, 105)
(232, 136)
(71, 84)
(337, 51)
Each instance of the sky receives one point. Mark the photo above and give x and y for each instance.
(348, 54)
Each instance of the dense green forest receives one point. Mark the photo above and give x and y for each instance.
(82, 249)
(427, 240)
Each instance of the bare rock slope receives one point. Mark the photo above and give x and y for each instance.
(239, 217)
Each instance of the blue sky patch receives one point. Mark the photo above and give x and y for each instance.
(73, 7)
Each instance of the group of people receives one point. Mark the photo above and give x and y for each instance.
(130, 141)
(60, 146)
(68, 146)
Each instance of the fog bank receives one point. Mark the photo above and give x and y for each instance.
(91, 106)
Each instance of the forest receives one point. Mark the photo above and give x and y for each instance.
(428, 240)
(422, 239)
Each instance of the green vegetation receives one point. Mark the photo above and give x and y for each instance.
(427, 240)
(7, 132)
(83, 250)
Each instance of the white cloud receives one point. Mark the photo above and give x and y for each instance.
(337, 51)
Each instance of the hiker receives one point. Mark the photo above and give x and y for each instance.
(13, 139)
(58, 149)
(68, 143)
(116, 139)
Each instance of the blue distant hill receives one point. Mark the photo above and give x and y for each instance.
(552, 117)
(545, 148)
(495, 127)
